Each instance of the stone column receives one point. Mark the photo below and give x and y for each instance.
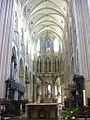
(43, 67)
(31, 88)
(59, 94)
(26, 91)
(43, 89)
(57, 66)
(46, 89)
(29, 91)
(39, 93)
(53, 90)
(16, 95)
(51, 66)
(35, 86)
(6, 37)
(82, 22)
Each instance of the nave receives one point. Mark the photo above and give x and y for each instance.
(45, 59)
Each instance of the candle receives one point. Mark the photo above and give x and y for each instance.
(84, 98)
(21, 107)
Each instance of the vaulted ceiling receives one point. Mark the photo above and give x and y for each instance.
(46, 16)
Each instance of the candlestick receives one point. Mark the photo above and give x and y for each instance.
(84, 98)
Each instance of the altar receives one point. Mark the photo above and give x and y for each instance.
(42, 111)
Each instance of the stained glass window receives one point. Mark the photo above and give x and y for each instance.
(38, 45)
(47, 43)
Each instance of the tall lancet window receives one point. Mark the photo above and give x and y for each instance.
(48, 46)
(38, 45)
(56, 45)
(88, 5)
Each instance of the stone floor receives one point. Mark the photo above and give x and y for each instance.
(83, 118)
(16, 118)
(24, 118)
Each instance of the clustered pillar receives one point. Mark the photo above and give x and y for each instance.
(6, 37)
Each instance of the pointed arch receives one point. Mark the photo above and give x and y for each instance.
(47, 64)
(56, 64)
(39, 64)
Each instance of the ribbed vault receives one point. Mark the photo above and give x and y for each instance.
(46, 15)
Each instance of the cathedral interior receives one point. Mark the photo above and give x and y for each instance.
(44, 56)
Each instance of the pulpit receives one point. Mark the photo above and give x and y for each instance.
(42, 111)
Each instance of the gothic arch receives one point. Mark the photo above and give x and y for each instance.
(47, 64)
(56, 64)
(39, 64)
